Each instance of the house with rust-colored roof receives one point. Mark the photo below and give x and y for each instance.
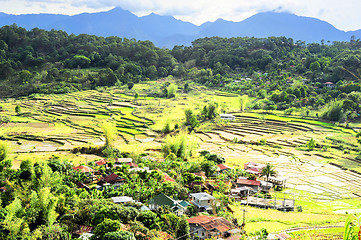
(253, 185)
(132, 165)
(101, 162)
(206, 227)
(167, 178)
(223, 167)
(84, 169)
(112, 179)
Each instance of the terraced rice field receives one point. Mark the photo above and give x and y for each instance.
(62, 122)
(313, 174)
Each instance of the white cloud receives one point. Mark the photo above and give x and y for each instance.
(342, 14)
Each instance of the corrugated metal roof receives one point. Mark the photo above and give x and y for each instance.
(83, 168)
(211, 223)
(248, 182)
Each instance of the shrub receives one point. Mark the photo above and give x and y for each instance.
(333, 111)
(182, 145)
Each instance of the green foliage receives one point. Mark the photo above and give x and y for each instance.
(191, 119)
(119, 235)
(311, 144)
(4, 150)
(182, 145)
(210, 111)
(209, 167)
(183, 229)
(243, 101)
(352, 228)
(172, 90)
(263, 141)
(333, 111)
(166, 128)
(17, 109)
(106, 226)
(110, 133)
(39, 61)
(218, 159)
(268, 171)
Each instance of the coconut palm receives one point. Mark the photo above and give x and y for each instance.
(269, 171)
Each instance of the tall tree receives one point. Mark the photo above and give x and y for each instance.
(268, 171)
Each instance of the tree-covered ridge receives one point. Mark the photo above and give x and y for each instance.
(283, 72)
(44, 61)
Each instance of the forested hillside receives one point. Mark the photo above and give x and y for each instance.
(285, 72)
(40, 61)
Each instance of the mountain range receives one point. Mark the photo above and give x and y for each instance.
(166, 31)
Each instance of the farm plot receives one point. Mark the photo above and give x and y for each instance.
(61, 122)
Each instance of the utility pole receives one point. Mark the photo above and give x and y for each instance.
(244, 218)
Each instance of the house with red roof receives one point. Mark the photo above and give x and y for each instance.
(84, 169)
(132, 165)
(101, 162)
(254, 168)
(223, 167)
(329, 84)
(206, 227)
(167, 178)
(253, 185)
(112, 179)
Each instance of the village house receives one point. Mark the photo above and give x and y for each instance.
(122, 199)
(251, 185)
(203, 201)
(84, 169)
(132, 165)
(223, 168)
(163, 200)
(101, 162)
(120, 161)
(254, 168)
(206, 227)
(329, 84)
(112, 179)
(278, 182)
(167, 178)
(239, 192)
(228, 117)
(201, 174)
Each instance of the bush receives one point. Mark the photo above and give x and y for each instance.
(119, 235)
(182, 145)
(166, 128)
(333, 111)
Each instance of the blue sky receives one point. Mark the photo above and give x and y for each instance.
(343, 14)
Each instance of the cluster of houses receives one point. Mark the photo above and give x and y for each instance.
(203, 226)
(243, 187)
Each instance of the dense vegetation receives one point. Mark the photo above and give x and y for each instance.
(281, 72)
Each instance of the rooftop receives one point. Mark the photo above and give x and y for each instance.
(211, 222)
(83, 168)
(223, 166)
(202, 196)
(101, 162)
(248, 182)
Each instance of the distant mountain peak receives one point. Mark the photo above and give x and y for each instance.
(169, 31)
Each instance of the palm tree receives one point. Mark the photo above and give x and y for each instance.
(268, 171)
